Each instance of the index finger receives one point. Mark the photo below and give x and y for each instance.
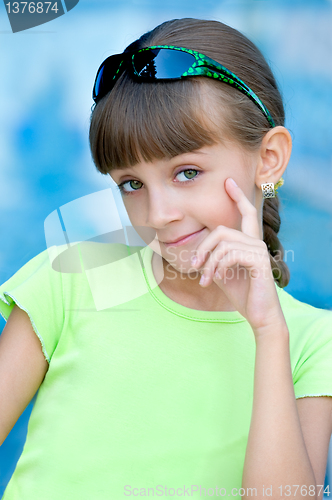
(249, 223)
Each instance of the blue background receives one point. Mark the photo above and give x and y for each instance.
(46, 83)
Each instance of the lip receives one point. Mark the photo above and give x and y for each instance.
(183, 240)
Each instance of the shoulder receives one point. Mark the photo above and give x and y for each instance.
(297, 309)
(310, 345)
(304, 321)
(100, 275)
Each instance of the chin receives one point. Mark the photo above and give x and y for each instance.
(184, 268)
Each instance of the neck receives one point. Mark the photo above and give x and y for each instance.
(186, 290)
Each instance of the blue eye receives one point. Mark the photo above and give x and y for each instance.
(125, 192)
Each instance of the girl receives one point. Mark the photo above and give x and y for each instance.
(198, 376)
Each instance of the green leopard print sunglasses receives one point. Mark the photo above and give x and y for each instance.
(166, 62)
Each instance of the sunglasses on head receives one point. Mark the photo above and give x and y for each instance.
(166, 62)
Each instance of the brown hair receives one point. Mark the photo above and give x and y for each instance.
(148, 121)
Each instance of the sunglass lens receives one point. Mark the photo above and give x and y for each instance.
(162, 63)
(105, 78)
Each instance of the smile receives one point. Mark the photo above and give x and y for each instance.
(184, 240)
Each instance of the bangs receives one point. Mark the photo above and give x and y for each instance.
(147, 121)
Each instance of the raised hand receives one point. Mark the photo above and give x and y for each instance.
(239, 263)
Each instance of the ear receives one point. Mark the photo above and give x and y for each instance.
(274, 154)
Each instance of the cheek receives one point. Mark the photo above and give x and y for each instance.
(220, 209)
(133, 213)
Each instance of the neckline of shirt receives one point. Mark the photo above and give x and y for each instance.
(179, 309)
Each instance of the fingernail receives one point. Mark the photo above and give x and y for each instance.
(193, 260)
(233, 182)
(202, 280)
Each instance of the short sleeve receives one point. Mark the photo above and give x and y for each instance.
(37, 289)
(313, 373)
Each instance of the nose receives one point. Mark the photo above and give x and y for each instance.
(162, 209)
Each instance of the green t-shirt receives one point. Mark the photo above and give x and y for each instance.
(143, 396)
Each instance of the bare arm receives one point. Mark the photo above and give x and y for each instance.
(316, 422)
(22, 369)
(276, 455)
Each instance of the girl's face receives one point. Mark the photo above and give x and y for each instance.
(186, 195)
